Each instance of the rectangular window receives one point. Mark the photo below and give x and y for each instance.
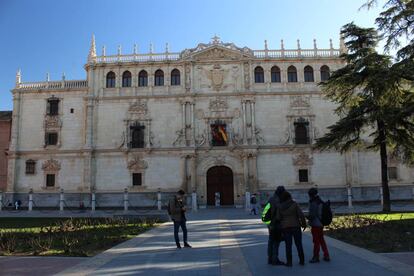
(392, 173)
(53, 107)
(303, 176)
(137, 136)
(50, 180)
(51, 138)
(30, 167)
(137, 179)
(301, 133)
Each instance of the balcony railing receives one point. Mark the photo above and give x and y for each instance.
(53, 85)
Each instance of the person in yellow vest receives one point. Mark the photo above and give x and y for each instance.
(274, 227)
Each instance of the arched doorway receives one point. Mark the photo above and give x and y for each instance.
(220, 179)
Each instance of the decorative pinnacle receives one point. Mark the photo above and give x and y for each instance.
(47, 76)
(215, 39)
(135, 49)
(167, 47)
(119, 50)
(342, 47)
(103, 50)
(282, 44)
(330, 43)
(265, 44)
(18, 77)
(314, 44)
(151, 48)
(298, 42)
(92, 49)
(63, 76)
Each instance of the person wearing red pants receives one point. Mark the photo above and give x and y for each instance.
(315, 215)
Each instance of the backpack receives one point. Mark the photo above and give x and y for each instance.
(327, 215)
(267, 214)
(253, 200)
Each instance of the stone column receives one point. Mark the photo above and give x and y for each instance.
(14, 143)
(194, 172)
(184, 184)
(252, 104)
(246, 172)
(244, 122)
(192, 124)
(254, 184)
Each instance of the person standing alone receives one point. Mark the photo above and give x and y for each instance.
(253, 204)
(176, 210)
(315, 221)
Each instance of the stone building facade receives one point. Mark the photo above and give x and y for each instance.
(5, 131)
(216, 118)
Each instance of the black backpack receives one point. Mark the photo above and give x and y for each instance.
(327, 215)
(253, 200)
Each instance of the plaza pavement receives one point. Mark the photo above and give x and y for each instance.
(227, 241)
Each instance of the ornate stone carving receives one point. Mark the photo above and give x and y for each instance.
(137, 164)
(302, 159)
(246, 69)
(51, 165)
(201, 139)
(217, 50)
(299, 101)
(180, 137)
(140, 108)
(220, 160)
(218, 105)
(199, 114)
(258, 136)
(52, 122)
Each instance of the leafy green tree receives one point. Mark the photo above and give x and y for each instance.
(396, 25)
(373, 99)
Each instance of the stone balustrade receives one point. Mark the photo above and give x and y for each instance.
(63, 84)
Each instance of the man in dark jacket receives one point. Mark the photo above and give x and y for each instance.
(315, 216)
(176, 210)
(275, 231)
(291, 220)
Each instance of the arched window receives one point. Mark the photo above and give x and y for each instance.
(301, 132)
(308, 72)
(110, 80)
(143, 78)
(159, 78)
(292, 74)
(175, 77)
(325, 73)
(126, 79)
(275, 74)
(258, 75)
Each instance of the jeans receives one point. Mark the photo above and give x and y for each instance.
(296, 234)
(273, 247)
(318, 242)
(254, 208)
(177, 225)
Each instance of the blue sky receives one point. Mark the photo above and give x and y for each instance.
(54, 36)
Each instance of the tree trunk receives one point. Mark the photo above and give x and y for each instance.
(384, 167)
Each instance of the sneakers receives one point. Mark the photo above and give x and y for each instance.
(187, 245)
(278, 263)
(178, 246)
(314, 260)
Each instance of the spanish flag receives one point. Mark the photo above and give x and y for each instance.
(222, 131)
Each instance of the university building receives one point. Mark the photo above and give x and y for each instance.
(216, 118)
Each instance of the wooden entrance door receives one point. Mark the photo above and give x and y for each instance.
(220, 179)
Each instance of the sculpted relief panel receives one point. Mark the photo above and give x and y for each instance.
(218, 77)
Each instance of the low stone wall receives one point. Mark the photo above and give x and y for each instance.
(150, 199)
(340, 195)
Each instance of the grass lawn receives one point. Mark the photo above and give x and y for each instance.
(376, 232)
(66, 237)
